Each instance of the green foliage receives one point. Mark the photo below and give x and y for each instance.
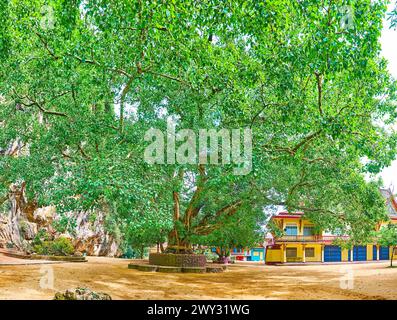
(393, 17)
(64, 224)
(239, 232)
(92, 217)
(387, 236)
(211, 256)
(274, 229)
(82, 93)
(23, 227)
(128, 253)
(40, 237)
(58, 247)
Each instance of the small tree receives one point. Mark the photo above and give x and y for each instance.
(242, 231)
(388, 237)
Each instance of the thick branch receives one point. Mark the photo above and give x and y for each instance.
(192, 209)
(292, 151)
(204, 227)
(122, 101)
(319, 92)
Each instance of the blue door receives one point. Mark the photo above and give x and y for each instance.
(332, 253)
(255, 254)
(374, 253)
(359, 253)
(383, 253)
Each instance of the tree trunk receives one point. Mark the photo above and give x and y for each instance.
(173, 237)
(223, 255)
(142, 251)
(392, 256)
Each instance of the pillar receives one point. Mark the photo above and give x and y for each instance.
(304, 253)
(351, 255)
(377, 252)
(322, 253)
(284, 253)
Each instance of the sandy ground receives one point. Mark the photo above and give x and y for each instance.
(358, 281)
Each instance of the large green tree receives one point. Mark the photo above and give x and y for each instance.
(82, 81)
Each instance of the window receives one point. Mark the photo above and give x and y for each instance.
(308, 231)
(291, 252)
(309, 252)
(291, 230)
(395, 251)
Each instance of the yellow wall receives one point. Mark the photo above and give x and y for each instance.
(345, 254)
(369, 252)
(274, 255)
(299, 251)
(317, 253)
(278, 254)
(391, 252)
(298, 222)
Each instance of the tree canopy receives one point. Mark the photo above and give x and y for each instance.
(82, 81)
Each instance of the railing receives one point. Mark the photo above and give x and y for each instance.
(313, 238)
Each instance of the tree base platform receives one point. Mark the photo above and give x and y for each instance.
(146, 266)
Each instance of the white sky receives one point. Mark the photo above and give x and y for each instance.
(389, 51)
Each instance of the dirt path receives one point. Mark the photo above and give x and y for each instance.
(370, 281)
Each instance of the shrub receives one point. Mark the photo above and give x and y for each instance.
(64, 224)
(41, 236)
(134, 253)
(58, 247)
(211, 256)
(128, 253)
(92, 217)
(62, 247)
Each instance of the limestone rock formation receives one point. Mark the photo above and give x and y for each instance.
(81, 294)
(20, 224)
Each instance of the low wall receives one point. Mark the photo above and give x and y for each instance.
(178, 260)
(58, 258)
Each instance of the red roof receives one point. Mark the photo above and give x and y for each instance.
(286, 214)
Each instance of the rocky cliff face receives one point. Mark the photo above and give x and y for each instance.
(20, 224)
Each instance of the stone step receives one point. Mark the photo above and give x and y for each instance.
(193, 270)
(147, 267)
(169, 269)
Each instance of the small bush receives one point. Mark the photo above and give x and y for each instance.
(92, 217)
(211, 256)
(64, 224)
(41, 236)
(128, 253)
(62, 247)
(58, 247)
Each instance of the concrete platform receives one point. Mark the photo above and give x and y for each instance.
(329, 263)
(11, 261)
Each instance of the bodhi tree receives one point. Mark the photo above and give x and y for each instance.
(238, 231)
(82, 82)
